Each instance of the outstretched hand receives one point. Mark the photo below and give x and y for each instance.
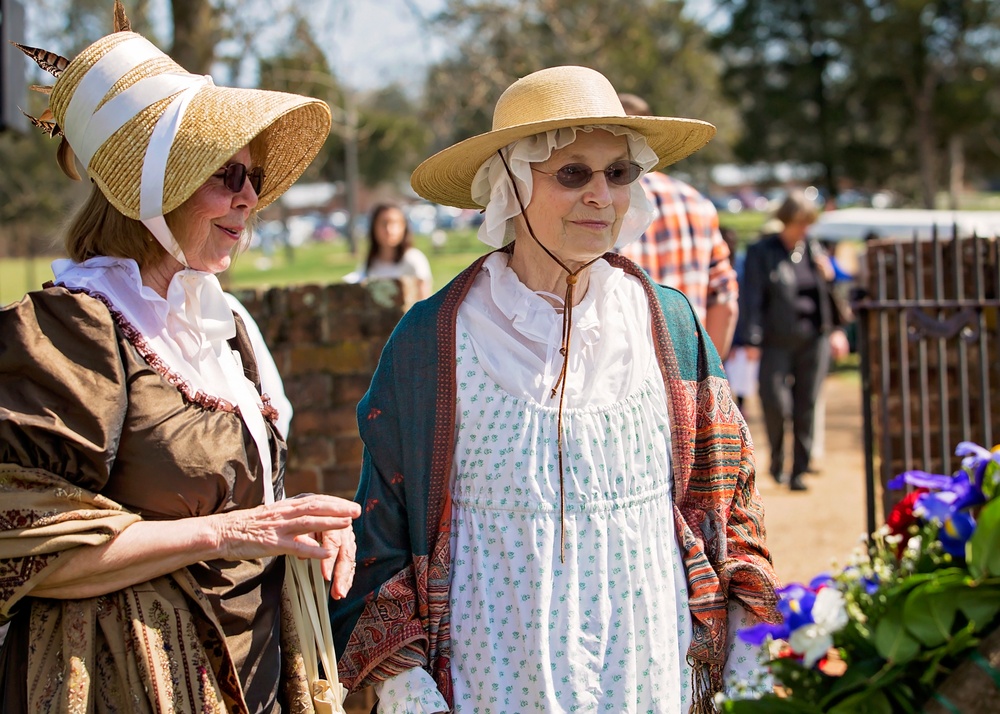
(310, 526)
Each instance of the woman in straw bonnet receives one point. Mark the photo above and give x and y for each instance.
(144, 525)
(559, 509)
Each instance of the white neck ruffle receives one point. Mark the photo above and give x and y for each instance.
(188, 331)
(517, 335)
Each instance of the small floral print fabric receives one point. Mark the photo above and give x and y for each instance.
(601, 630)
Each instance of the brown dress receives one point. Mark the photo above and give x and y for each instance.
(82, 396)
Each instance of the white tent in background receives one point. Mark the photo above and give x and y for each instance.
(857, 223)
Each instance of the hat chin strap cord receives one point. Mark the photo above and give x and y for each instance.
(572, 277)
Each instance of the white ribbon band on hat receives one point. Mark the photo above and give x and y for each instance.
(95, 85)
(491, 186)
(88, 128)
(154, 167)
(199, 319)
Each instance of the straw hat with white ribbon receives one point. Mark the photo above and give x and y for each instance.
(149, 133)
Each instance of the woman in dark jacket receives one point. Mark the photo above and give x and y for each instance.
(788, 322)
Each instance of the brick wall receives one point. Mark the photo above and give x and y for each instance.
(326, 341)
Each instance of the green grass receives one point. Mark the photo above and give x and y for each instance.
(746, 223)
(323, 263)
(313, 263)
(19, 275)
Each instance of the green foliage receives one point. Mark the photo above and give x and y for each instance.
(914, 614)
(875, 91)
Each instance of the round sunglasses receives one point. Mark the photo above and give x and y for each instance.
(235, 175)
(620, 173)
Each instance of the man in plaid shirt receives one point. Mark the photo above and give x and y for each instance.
(684, 249)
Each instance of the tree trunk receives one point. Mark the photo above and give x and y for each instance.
(956, 170)
(196, 33)
(926, 146)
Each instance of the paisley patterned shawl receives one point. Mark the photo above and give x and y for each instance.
(396, 616)
(153, 647)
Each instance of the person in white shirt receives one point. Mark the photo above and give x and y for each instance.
(390, 249)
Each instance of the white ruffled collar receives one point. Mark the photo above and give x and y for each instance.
(534, 317)
(194, 315)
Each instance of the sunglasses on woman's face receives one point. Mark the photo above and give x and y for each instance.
(235, 175)
(620, 173)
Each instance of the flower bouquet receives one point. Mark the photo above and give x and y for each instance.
(914, 603)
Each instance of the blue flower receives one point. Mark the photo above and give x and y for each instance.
(795, 605)
(811, 616)
(956, 526)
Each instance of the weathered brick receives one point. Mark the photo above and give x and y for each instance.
(342, 357)
(345, 324)
(341, 481)
(317, 451)
(333, 421)
(303, 480)
(326, 341)
(344, 297)
(305, 299)
(347, 450)
(313, 389)
(348, 389)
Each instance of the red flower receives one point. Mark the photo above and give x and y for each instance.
(901, 517)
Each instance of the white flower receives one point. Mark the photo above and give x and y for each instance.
(829, 616)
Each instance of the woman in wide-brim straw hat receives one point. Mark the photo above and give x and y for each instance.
(559, 509)
(145, 528)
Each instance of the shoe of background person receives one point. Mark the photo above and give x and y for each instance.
(779, 479)
(798, 483)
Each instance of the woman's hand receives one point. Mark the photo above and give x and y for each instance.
(298, 527)
(339, 567)
(311, 526)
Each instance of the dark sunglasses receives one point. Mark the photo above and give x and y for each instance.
(235, 175)
(620, 173)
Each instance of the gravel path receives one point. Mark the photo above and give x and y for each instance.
(808, 531)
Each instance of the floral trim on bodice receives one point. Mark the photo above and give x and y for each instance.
(195, 396)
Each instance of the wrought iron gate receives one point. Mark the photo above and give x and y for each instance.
(929, 344)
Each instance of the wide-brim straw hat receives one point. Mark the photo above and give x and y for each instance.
(550, 99)
(288, 131)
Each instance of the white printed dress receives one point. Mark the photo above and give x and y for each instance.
(608, 628)
(602, 631)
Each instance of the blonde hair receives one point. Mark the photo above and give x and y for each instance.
(98, 228)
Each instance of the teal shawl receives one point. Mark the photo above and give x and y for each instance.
(396, 615)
